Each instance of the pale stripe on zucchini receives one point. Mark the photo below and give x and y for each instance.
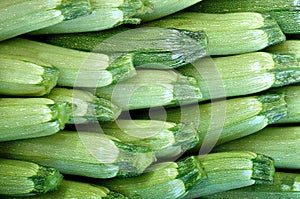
(151, 88)
(151, 47)
(80, 69)
(226, 120)
(280, 143)
(20, 178)
(76, 189)
(231, 170)
(21, 76)
(286, 185)
(31, 117)
(242, 74)
(166, 139)
(22, 16)
(286, 12)
(231, 33)
(89, 154)
(86, 106)
(168, 180)
(104, 15)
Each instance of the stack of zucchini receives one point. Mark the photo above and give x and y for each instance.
(149, 99)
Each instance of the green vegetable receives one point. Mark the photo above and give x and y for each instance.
(286, 47)
(164, 138)
(286, 185)
(90, 154)
(286, 12)
(231, 170)
(280, 143)
(226, 120)
(105, 14)
(168, 180)
(22, 16)
(232, 33)
(242, 74)
(292, 98)
(86, 106)
(80, 69)
(26, 77)
(31, 117)
(20, 178)
(167, 7)
(73, 189)
(151, 47)
(151, 88)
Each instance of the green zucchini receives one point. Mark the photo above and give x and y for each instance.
(231, 33)
(21, 76)
(231, 170)
(151, 47)
(77, 69)
(280, 143)
(168, 180)
(287, 47)
(76, 189)
(286, 185)
(286, 12)
(90, 154)
(20, 178)
(222, 121)
(22, 16)
(104, 15)
(86, 106)
(242, 74)
(151, 88)
(166, 139)
(31, 117)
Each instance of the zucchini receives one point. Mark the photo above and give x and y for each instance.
(77, 69)
(280, 143)
(31, 117)
(151, 47)
(286, 12)
(231, 170)
(22, 16)
(75, 189)
(286, 185)
(104, 15)
(21, 178)
(21, 76)
(287, 47)
(222, 121)
(86, 106)
(89, 154)
(292, 97)
(169, 180)
(231, 33)
(151, 88)
(166, 139)
(222, 76)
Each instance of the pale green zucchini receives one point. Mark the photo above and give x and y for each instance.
(286, 12)
(31, 117)
(231, 170)
(89, 154)
(20, 178)
(168, 180)
(77, 69)
(231, 33)
(286, 185)
(21, 76)
(22, 16)
(280, 143)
